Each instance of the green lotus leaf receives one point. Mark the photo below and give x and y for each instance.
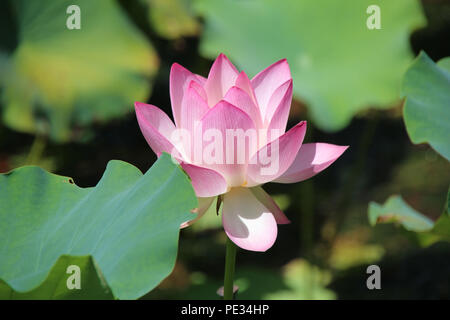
(59, 79)
(396, 210)
(92, 285)
(338, 64)
(122, 233)
(427, 107)
(172, 19)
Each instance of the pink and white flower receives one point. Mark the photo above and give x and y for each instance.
(228, 101)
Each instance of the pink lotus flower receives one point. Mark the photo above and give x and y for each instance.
(229, 100)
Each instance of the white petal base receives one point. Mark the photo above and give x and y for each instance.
(247, 222)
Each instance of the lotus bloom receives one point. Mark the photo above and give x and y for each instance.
(230, 138)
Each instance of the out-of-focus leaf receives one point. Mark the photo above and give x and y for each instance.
(442, 225)
(46, 163)
(298, 280)
(397, 210)
(339, 66)
(172, 18)
(210, 220)
(427, 107)
(253, 282)
(305, 282)
(59, 79)
(282, 200)
(351, 249)
(122, 233)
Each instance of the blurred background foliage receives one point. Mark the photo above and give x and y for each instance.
(313, 35)
(66, 101)
(57, 79)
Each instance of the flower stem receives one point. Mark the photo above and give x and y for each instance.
(230, 260)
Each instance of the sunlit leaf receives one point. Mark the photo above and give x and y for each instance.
(339, 66)
(427, 107)
(57, 79)
(397, 210)
(123, 233)
(349, 251)
(305, 281)
(172, 18)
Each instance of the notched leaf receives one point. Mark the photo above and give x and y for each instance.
(119, 223)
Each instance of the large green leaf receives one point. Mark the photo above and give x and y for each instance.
(123, 233)
(427, 107)
(59, 79)
(339, 66)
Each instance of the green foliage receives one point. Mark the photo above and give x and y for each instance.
(304, 281)
(339, 66)
(427, 107)
(426, 112)
(298, 280)
(172, 18)
(397, 210)
(123, 233)
(58, 79)
(442, 225)
(348, 252)
(210, 219)
(93, 285)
